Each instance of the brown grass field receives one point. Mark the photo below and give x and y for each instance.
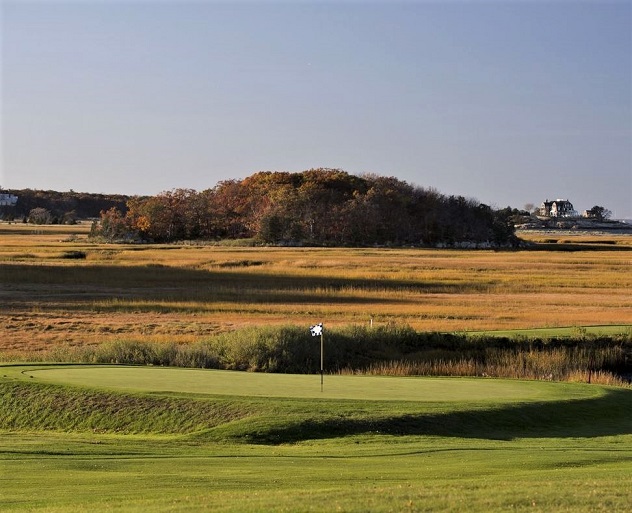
(186, 292)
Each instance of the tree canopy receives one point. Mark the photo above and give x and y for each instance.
(599, 213)
(317, 207)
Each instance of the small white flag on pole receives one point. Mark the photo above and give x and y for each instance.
(316, 330)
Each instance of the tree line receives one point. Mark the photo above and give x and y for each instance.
(317, 206)
(52, 207)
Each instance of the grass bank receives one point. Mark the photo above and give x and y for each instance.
(289, 408)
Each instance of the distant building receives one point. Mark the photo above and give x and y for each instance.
(558, 208)
(8, 200)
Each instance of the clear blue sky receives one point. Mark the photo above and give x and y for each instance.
(509, 102)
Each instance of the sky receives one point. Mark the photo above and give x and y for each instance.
(509, 102)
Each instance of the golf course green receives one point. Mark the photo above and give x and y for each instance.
(153, 439)
(370, 388)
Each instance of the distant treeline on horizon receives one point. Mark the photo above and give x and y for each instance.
(62, 207)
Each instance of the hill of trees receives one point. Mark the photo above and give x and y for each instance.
(318, 206)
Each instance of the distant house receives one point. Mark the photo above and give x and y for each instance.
(558, 208)
(8, 200)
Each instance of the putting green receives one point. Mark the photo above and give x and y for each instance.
(215, 382)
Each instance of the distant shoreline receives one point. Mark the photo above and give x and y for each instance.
(575, 225)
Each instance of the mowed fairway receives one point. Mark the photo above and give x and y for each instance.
(363, 444)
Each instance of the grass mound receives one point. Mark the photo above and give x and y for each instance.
(41, 407)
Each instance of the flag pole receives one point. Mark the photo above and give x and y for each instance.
(321, 360)
(317, 330)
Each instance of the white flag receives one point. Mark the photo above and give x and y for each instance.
(317, 330)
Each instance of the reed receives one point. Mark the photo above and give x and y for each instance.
(557, 365)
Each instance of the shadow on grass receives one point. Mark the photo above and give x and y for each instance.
(89, 283)
(609, 415)
(571, 247)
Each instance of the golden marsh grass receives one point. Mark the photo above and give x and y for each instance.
(183, 292)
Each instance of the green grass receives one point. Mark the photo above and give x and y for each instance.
(157, 439)
(372, 388)
(567, 331)
(356, 474)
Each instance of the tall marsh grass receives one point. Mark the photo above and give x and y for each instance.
(386, 350)
(556, 364)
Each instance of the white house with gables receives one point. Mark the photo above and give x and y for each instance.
(558, 208)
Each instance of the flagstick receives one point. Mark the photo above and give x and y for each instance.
(321, 361)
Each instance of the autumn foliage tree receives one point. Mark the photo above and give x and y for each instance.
(318, 206)
(113, 226)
